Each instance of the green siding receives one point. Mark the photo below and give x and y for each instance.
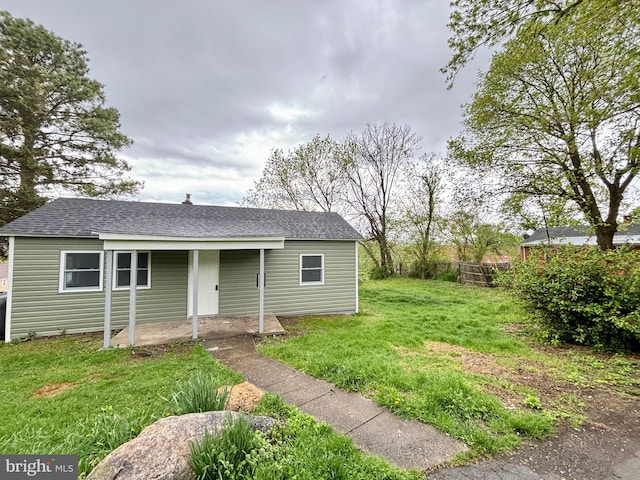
(283, 293)
(38, 307)
(238, 292)
(167, 297)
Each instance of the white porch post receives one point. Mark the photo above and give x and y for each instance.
(107, 300)
(194, 282)
(261, 293)
(133, 283)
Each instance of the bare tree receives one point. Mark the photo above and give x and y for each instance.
(375, 161)
(309, 177)
(423, 183)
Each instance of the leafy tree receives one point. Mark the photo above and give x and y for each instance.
(306, 178)
(558, 117)
(56, 135)
(377, 157)
(473, 238)
(477, 23)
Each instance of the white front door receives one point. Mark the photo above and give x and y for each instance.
(208, 278)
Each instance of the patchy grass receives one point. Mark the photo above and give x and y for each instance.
(66, 395)
(456, 357)
(302, 448)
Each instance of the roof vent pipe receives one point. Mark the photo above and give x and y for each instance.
(187, 200)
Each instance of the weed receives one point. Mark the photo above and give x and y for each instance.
(533, 402)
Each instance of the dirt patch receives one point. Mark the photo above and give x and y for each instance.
(243, 397)
(473, 362)
(511, 380)
(156, 351)
(52, 389)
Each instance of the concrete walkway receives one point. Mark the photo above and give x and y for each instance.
(374, 430)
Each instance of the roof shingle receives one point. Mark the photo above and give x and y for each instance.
(79, 217)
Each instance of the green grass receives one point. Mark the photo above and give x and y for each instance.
(381, 353)
(112, 394)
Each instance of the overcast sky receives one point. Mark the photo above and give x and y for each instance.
(207, 88)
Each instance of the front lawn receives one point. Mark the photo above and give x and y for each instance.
(66, 395)
(453, 356)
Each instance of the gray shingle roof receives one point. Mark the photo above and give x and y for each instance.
(624, 234)
(70, 217)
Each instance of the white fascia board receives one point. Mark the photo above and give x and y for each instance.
(324, 239)
(144, 242)
(621, 238)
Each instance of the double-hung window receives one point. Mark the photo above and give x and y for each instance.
(122, 272)
(312, 269)
(80, 271)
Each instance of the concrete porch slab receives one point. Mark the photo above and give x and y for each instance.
(213, 327)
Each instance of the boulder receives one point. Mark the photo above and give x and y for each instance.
(161, 451)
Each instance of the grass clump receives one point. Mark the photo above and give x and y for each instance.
(232, 453)
(200, 394)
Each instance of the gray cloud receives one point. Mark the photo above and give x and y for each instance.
(207, 88)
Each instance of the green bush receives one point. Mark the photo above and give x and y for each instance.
(584, 296)
(378, 273)
(448, 276)
(199, 394)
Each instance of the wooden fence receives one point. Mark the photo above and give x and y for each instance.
(481, 275)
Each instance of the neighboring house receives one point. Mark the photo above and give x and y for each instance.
(4, 277)
(628, 234)
(71, 263)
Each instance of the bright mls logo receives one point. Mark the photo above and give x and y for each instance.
(50, 467)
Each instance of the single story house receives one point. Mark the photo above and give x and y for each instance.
(72, 263)
(627, 234)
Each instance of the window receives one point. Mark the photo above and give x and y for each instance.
(311, 269)
(122, 271)
(80, 271)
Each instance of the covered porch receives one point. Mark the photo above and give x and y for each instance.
(203, 287)
(212, 327)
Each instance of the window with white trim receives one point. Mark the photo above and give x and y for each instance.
(80, 271)
(312, 269)
(122, 270)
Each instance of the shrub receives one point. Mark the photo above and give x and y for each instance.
(199, 394)
(378, 273)
(448, 276)
(584, 296)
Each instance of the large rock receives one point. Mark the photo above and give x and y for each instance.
(161, 451)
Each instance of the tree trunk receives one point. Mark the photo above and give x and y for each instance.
(604, 236)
